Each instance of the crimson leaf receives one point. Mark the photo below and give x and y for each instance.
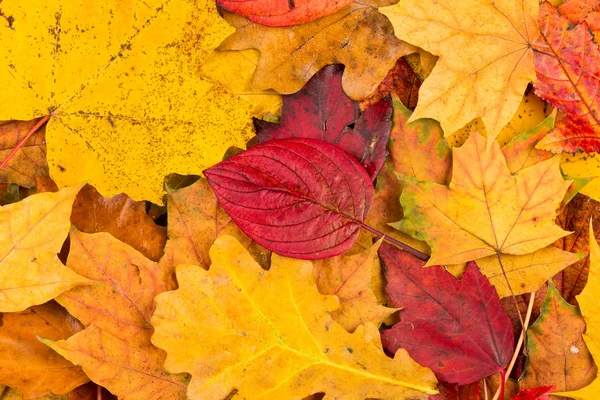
(321, 110)
(538, 393)
(300, 198)
(455, 327)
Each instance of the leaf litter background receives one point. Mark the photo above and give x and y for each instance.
(465, 132)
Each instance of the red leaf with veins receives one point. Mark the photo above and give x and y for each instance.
(283, 12)
(455, 327)
(300, 198)
(538, 393)
(321, 110)
(567, 64)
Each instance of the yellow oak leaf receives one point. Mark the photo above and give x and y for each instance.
(115, 350)
(269, 335)
(485, 58)
(357, 36)
(120, 81)
(486, 210)
(349, 278)
(30, 366)
(588, 304)
(32, 234)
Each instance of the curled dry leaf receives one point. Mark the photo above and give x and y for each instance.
(567, 64)
(33, 233)
(286, 349)
(30, 160)
(120, 81)
(30, 366)
(357, 36)
(114, 349)
(301, 198)
(483, 68)
(283, 12)
(557, 354)
(455, 327)
(322, 111)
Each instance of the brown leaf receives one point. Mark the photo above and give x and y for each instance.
(120, 216)
(30, 160)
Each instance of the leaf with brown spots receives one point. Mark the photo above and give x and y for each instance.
(120, 216)
(579, 11)
(357, 36)
(29, 160)
(30, 366)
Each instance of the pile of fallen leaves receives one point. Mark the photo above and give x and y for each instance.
(299, 199)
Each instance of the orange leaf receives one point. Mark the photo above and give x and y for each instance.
(579, 11)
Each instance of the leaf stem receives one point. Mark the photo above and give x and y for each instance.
(33, 130)
(403, 246)
(511, 290)
(519, 345)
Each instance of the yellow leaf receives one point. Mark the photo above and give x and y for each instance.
(485, 60)
(234, 70)
(357, 36)
(526, 273)
(584, 165)
(588, 304)
(120, 81)
(485, 210)
(32, 234)
(349, 278)
(269, 335)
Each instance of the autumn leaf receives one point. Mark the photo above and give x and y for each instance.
(485, 210)
(357, 36)
(304, 209)
(483, 68)
(120, 216)
(567, 64)
(321, 110)
(114, 349)
(28, 365)
(86, 392)
(557, 354)
(30, 160)
(34, 230)
(579, 11)
(119, 80)
(282, 12)
(285, 349)
(539, 393)
(349, 278)
(455, 327)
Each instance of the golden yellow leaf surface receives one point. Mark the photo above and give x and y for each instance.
(486, 210)
(588, 304)
(583, 165)
(269, 335)
(349, 278)
(115, 350)
(485, 60)
(32, 234)
(357, 36)
(119, 78)
(30, 160)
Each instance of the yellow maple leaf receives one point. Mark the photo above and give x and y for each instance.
(32, 234)
(120, 80)
(486, 210)
(485, 59)
(269, 335)
(588, 304)
(357, 36)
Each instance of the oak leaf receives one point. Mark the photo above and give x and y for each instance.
(321, 110)
(349, 278)
(30, 366)
(115, 350)
(455, 327)
(485, 59)
(357, 36)
(486, 210)
(557, 354)
(567, 64)
(30, 160)
(119, 79)
(33, 233)
(283, 12)
(302, 198)
(224, 328)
